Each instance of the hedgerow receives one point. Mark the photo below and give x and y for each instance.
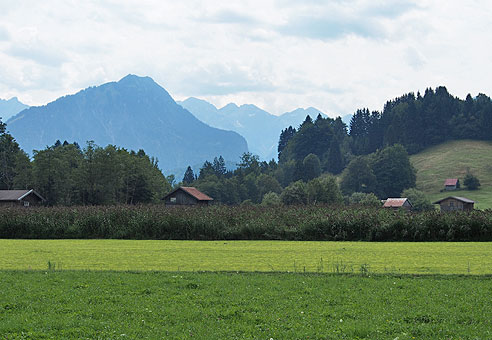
(323, 223)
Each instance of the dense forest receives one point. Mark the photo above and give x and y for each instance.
(417, 122)
(371, 157)
(65, 174)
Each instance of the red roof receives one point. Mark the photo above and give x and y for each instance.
(451, 182)
(395, 202)
(197, 193)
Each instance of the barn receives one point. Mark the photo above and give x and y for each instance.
(398, 203)
(453, 203)
(24, 198)
(451, 184)
(187, 196)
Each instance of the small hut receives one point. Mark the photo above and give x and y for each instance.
(187, 196)
(453, 203)
(398, 203)
(451, 184)
(24, 198)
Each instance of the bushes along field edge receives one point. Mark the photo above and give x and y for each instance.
(319, 222)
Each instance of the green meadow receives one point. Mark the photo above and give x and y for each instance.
(136, 289)
(253, 256)
(166, 305)
(452, 160)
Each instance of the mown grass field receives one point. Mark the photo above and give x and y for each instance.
(452, 160)
(132, 289)
(164, 305)
(263, 256)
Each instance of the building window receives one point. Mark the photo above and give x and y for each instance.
(173, 199)
(26, 204)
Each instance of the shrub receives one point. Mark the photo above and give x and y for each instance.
(418, 199)
(365, 199)
(295, 193)
(471, 182)
(324, 189)
(271, 199)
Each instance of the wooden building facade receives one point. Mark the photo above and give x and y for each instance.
(454, 203)
(187, 196)
(25, 198)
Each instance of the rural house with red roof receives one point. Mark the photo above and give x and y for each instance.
(398, 203)
(187, 196)
(451, 184)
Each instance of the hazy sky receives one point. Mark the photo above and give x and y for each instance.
(277, 54)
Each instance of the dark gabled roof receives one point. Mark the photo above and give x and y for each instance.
(396, 202)
(17, 195)
(193, 192)
(451, 182)
(462, 199)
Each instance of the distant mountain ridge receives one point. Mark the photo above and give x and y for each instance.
(260, 128)
(134, 113)
(11, 107)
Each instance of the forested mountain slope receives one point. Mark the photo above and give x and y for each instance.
(135, 113)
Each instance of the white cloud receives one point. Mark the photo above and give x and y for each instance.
(4, 34)
(277, 54)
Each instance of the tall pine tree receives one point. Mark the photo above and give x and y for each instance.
(334, 161)
(189, 176)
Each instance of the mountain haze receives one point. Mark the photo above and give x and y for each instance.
(135, 113)
(10, 107)
(260, 128)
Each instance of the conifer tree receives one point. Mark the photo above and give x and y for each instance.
(334, 161)
(189, 176)
(219, 166)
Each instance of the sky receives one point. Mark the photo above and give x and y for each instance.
(337, 56)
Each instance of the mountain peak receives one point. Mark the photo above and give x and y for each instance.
(134, 79)
(11, 107)
(230, 106)
(134, 113)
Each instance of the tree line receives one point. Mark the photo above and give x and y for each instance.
(417, 122)
(65, 174)
(370, 158)
(413, 121)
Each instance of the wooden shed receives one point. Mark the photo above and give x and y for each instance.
(398, 203)
(187, 196)
(451, 184)
(24, 198)
(453, 203)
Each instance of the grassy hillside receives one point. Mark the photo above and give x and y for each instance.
(451, 160)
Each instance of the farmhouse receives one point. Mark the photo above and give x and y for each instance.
(451, 184)
(397, 203)
(453, 203)
(187, 196)
(24, 198)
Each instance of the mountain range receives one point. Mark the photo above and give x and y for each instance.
(11, 107)
(260, 128)
(134, 113)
